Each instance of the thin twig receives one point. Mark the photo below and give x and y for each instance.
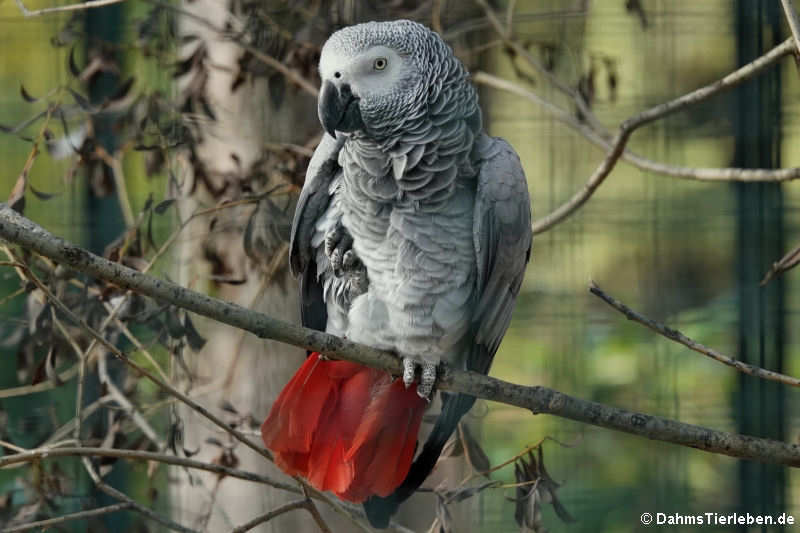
(315, 514)
(119, 184)
(600, 139)
(126, 405)
(169, 389)
(680, 338)
(44, 524)
(42, 386)
(21, 231)
(289, 74)
(654, 113)
(794, 26)
(266, 517)
(118, 495)
(139, 455)
(71, 7)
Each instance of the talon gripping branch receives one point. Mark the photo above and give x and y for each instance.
(411, 234)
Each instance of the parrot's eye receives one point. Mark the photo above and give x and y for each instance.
(380, 63)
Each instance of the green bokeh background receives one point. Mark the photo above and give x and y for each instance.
(665, 246)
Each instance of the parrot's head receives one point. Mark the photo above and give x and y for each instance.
(378, 77)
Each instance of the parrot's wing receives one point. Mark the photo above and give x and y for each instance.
(314, 200)
(502, 234)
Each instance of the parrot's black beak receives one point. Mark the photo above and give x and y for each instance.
(338, 109)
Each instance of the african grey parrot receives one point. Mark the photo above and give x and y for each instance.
(411, 234)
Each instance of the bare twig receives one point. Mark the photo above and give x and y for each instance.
(169, 389)
(654, 113)
(126, 405)
(794, 26)
(60, 9)
(138, 455)
(266, 517)
(45, 524)
(600, 139)
(785, 263)
(21, 231)
(315, 514)
(680, 338)
(42, 386)
(291, 75)
(118, 495)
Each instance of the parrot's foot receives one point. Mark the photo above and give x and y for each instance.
(351, 274)
(427, 376)
(339, 249)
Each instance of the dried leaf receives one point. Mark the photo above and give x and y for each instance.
(162, 206)
(174, 327)
(148, 203)
(26, 95)
(228, 407)
(120, 94)
(193, 337)
(784, 264)
(73, 67)
(16, 200)
(50, 366)
(475, 454)
(214, 442)
(81, 101)
(44, 196)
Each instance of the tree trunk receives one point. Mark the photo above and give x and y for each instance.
(230, 161)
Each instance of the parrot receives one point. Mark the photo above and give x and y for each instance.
(411, 234)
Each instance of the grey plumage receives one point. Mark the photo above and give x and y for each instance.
(438, 212)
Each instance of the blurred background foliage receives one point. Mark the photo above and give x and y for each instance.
(677, 250)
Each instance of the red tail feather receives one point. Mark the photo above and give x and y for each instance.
(345, 427)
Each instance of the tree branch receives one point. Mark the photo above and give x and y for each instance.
(60, 9)
(600, 139)
(680, 338)
(45, 524)
(41, 453)
(650, 115)
(538, 399)
(118, 495)
(794, 27)
(266, 517)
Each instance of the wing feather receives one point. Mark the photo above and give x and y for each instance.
(314, 199)
(502, 233)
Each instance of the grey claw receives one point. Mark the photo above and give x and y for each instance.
(408, 371)
(349, 259)
(427, 380)
(427, 376)
(338, 244)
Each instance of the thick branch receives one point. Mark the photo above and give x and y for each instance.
(25, 233)
(680, 338)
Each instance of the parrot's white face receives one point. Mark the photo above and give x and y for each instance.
(380, 77)
(372, 73)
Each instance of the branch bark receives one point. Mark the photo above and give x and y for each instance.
(50, 522)
(21, 231)
(680, 338)
(601, 140)
(650, 115)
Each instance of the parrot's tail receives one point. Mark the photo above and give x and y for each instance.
(344, 427)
